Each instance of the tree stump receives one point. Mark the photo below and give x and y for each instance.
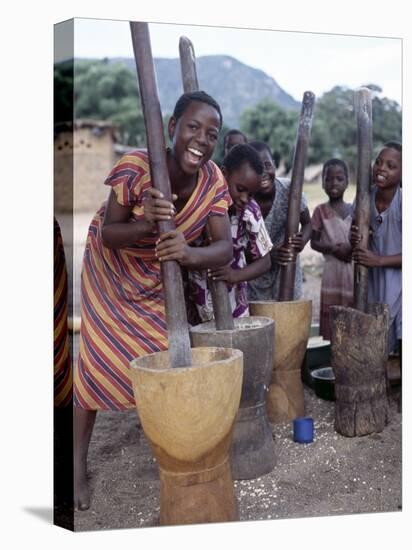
(359, 352)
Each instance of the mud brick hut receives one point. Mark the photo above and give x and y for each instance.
(84, 153)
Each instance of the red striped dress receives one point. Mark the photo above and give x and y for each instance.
(122, 304)
(62, 364)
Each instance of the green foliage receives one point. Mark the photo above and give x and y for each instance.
(109, 91)
(275, 126)
(63, 92)
(334, 129)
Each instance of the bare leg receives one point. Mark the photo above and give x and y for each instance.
(83, 428)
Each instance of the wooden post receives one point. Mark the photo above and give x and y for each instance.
(176, 319)
(188, 65)
(363, 110)
(218, 289)
(287, 273)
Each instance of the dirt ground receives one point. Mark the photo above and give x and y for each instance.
(334, 475)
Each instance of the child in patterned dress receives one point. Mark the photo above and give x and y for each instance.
(243, 171)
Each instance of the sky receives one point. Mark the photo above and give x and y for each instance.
(298, 61)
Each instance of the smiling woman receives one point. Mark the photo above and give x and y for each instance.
(122, 303)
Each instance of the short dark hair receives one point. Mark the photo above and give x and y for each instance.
(394, 145)
(240, 154)
(233, 132)
(335, 162)
(184, 101)
(261, 146)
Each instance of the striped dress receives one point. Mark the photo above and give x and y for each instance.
(122, 303)
(62, 363)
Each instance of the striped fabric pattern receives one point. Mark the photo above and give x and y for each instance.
(122, 307)
(62, 363)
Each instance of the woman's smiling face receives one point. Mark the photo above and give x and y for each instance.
(387, 169)
(269, 173)
(194, 136)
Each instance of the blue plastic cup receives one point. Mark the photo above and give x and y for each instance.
(303, 429)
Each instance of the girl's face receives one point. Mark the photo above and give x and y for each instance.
(194, 136)
(243, 183)
(233, 139)
(269, 172)
(387, 169)
(335, 181)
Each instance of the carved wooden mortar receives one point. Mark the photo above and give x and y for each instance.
(252, 453)
(292, 320)
(187, 415)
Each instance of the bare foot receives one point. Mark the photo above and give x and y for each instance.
(83, 427)
(81, 492)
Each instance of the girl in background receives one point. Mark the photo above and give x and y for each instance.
(383, 256)
(331, 222)
(233, 137)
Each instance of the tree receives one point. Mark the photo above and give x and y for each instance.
(275, 126)
(334, 128)
(103, 91)
(63, 92)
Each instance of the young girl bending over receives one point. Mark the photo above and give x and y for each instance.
(383, 256)
(122, 301)
(331, 222)
(243, 170)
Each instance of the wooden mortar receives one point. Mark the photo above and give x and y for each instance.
(187, 415)
(285, 400)
(252, 453)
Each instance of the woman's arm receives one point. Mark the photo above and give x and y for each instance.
(370, 259)
(315, 243)
(251, 271)
(342, 251)
(117, 232)
(172, 246)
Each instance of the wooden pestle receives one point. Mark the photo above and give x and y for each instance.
(176, 318)
(288, 272)
(363, 110)
(220, 296)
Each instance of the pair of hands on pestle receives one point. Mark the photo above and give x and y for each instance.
(171, 245)
(287, 253)
(360, 254)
